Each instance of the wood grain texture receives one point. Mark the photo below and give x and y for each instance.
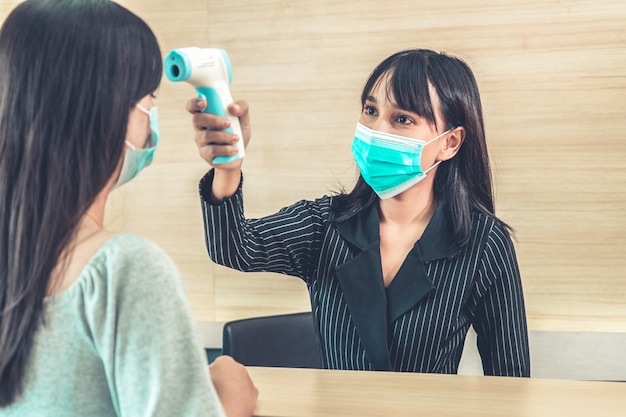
(552, 75)
(287, 392)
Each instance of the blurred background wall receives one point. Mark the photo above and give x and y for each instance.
(552, 75)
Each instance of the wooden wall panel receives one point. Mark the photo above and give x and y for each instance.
(553, 80)
(552, 76)
(162, 203)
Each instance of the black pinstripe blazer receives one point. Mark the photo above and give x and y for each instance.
(419, 322)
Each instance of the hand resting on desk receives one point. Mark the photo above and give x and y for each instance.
(234, 386)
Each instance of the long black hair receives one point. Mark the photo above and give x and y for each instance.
(463, 183)
(70, 72)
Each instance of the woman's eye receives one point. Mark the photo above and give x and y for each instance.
(403, 120)
(369, 110)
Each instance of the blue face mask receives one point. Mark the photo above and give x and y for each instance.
(137, 159)
(390, 164)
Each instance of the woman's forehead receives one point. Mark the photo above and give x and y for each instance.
(382, 89)
(407, 94)
(410, 94)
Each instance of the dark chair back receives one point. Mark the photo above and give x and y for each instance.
(286, 340)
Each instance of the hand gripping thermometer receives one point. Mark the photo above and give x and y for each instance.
(210, 72)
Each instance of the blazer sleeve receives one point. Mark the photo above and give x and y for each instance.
(286, 242)
(499, 316)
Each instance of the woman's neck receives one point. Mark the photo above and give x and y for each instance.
(413, 206)
(89, 236)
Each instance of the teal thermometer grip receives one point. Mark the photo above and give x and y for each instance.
(217, 105)
(214, 102)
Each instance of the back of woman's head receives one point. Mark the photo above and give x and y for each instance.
(463, 183)
(70, 71)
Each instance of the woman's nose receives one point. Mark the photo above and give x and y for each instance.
(381, 125)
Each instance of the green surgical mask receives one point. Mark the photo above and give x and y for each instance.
(137, 159)
(388, 163)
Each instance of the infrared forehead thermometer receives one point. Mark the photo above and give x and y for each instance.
(210, 72)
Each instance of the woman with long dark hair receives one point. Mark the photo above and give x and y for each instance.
(399, 268)
(92, 323)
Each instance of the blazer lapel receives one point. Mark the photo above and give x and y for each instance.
(410, 285)
(437, 241)
(364, 293)
(361, 280)
(371, 305)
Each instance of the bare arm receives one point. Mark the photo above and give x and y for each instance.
(234, 387)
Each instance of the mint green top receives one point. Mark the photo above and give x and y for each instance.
(119, 342)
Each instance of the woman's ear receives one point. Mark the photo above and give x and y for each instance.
(452, 144)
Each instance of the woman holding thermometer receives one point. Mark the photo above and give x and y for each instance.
(400, 267)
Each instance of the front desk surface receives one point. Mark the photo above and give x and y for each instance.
(288, 392)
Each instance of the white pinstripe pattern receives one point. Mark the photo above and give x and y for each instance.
(480, 286)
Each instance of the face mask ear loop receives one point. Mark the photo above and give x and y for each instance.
(437, 137)
(432, 140)
(434, 165)
(142, 108)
